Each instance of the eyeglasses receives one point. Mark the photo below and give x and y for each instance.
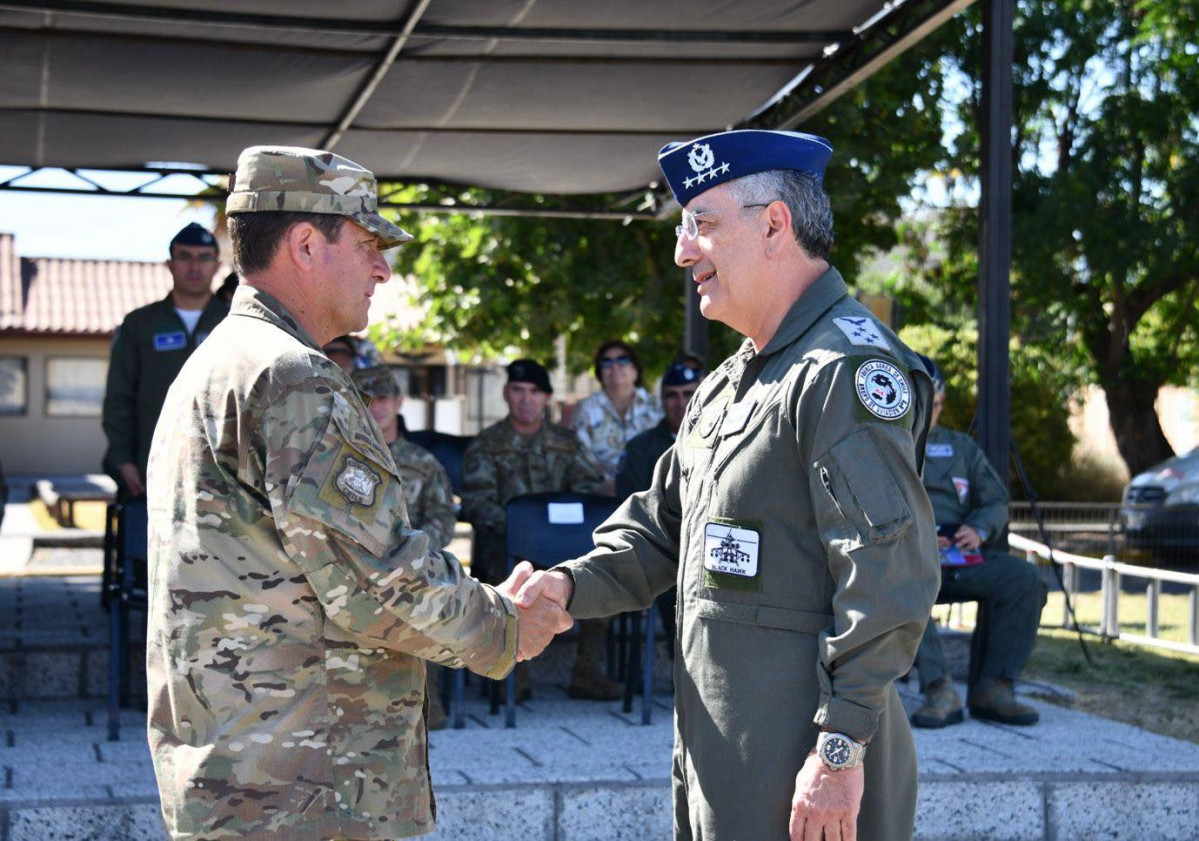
(202, 259)
(608, 361)
(690, 226)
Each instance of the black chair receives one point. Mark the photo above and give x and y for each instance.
(448, 449)
(125, 571)
(549, 528)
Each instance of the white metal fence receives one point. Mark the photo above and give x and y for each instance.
(1112, 571)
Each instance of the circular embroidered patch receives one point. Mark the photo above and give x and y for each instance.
(883, 390)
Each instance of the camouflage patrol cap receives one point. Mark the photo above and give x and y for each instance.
(376, 381)
(290, 178)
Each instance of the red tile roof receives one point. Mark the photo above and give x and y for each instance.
(73, 297)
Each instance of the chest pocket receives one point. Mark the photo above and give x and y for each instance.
(350, 485)
(859, 486)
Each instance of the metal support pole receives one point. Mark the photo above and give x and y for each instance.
(1109, 626)
(1195, 616)
(1069, 586)
(995, 231)
(1152, 592)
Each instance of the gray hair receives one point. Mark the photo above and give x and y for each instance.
(811, 210)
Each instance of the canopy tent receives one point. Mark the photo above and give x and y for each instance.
(554, 97)
(566, 99)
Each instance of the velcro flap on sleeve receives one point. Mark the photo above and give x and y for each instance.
(350, 489)
(863, 488)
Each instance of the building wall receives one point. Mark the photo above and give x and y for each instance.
(36, 442)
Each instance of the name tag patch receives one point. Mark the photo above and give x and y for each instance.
(862, 331)
(737, 417)
(939, 451)
(170, 341)
(730, 550)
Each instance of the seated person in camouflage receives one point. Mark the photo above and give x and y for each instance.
(971, 507)
(427, 492)
(291, 604)
(524, 454)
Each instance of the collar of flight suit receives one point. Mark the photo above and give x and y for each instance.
(254, 303)
(813, 303)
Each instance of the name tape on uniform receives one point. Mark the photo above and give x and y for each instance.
(939, 451)
(862, 331)
(730, 550)
(170, 341)
(737, 417)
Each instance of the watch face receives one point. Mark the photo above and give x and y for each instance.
(836, 751)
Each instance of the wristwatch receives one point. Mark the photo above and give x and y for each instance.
(839, 752)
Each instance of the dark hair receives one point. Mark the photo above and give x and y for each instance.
(609, 345)
(228, 286)
(256, 236)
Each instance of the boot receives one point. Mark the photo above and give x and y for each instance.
(588, 680)
(435, 716)
(941, 706)
(998, 703)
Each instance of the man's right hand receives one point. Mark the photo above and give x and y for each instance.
(538, 619)
(558, 587)
(132, 478)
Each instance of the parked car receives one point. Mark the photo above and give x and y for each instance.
(1160, 509)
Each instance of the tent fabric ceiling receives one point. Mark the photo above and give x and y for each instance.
(548, 96)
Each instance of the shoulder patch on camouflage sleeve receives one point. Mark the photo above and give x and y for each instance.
(357, 482)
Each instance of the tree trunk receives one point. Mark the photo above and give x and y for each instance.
(1139, 436)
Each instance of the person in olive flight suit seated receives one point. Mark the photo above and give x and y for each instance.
(971, 507)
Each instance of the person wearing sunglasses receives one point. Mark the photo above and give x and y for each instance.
(607, 420)
(148, 351)
(789, 511)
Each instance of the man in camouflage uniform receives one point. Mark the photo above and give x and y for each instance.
(971, 507)
(526, 454)
(790, 514)
(427, 492)
(291, 603)
(148, 351)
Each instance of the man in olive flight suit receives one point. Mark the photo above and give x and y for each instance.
(790, 513)
(292, 606)
(149, 350)
(971, 507)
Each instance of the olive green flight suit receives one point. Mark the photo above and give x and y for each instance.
(793, 519)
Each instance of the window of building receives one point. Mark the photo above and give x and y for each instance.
(13, 393)
(75, 386)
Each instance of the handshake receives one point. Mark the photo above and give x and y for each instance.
(540, 597)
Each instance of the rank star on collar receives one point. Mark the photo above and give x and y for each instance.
(862, 331)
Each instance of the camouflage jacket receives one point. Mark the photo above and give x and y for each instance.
(427, 491)
(290, 602)
(501, 464)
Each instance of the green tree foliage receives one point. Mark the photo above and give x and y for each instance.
(506, 284)
(1105, 232)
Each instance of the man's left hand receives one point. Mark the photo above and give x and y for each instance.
(967, 538)
(826, 803)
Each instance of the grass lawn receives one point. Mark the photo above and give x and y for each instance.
(1152, 688)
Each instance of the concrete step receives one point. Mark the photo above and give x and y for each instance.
(581, 770)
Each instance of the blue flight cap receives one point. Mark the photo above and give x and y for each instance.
(699, 165)
(934, 373)
(193, 234)
(681, 374)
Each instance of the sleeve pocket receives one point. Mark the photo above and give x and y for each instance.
(857, 478)
(346, 488)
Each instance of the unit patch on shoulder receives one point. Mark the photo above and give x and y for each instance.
(862, 331)
(883, 389)
(357, 482)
